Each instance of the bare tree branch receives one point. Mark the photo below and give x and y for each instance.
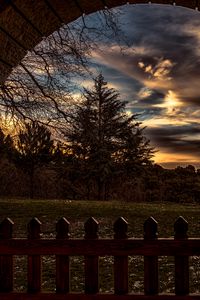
(43, 84)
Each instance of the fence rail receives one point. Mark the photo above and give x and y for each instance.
(91, 247)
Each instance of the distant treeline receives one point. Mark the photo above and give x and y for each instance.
(30, 168)
(63, 179)
(102, 154)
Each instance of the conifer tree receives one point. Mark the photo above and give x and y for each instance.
(102, 135)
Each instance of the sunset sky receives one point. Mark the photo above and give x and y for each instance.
(159, 75)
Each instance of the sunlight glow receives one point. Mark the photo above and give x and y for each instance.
(162, 121)
(171, 103)
(167, 159)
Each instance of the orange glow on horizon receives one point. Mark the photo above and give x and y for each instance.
(169, 160)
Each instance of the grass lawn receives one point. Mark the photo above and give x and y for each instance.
(77, 212)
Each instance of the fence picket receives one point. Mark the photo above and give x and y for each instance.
(34, 261)
(150, 262)
(181, 262)
(91, 262)
(181, 247)
(120, 262)
(6, 261)
(62, 261)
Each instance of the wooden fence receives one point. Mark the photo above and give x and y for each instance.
(120, 247)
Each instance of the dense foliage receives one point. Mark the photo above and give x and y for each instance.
(64, 176)
(103, 155)
(104, 139)
(34, 148)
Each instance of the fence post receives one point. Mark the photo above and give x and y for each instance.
(34, 261)
(181, 262)
(150, 262)
(120, 262)
(62, 261)
(91, 262)
(6, 261)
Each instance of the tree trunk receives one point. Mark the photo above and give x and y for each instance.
(101, 189)
(31, 186)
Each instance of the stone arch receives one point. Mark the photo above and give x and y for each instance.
(23, 24)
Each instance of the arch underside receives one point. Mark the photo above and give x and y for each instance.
(23, 24)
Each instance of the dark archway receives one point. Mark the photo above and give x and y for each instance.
(23, 24)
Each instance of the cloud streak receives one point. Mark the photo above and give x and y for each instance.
(158, 74)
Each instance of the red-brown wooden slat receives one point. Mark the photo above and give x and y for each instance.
(120, 262)
(101, 247)
(34, 261)
(62, 261)
(181, 247)
(91, 261)
(181, 262)
(6, 261)
(54, 296)
(150, 262)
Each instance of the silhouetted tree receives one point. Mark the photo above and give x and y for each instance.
(34, 149)
(102, 135)
(6, 145)
(135, 152)
(8, 172)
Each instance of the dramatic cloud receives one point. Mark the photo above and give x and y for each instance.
(181, 139)
(156, 68)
